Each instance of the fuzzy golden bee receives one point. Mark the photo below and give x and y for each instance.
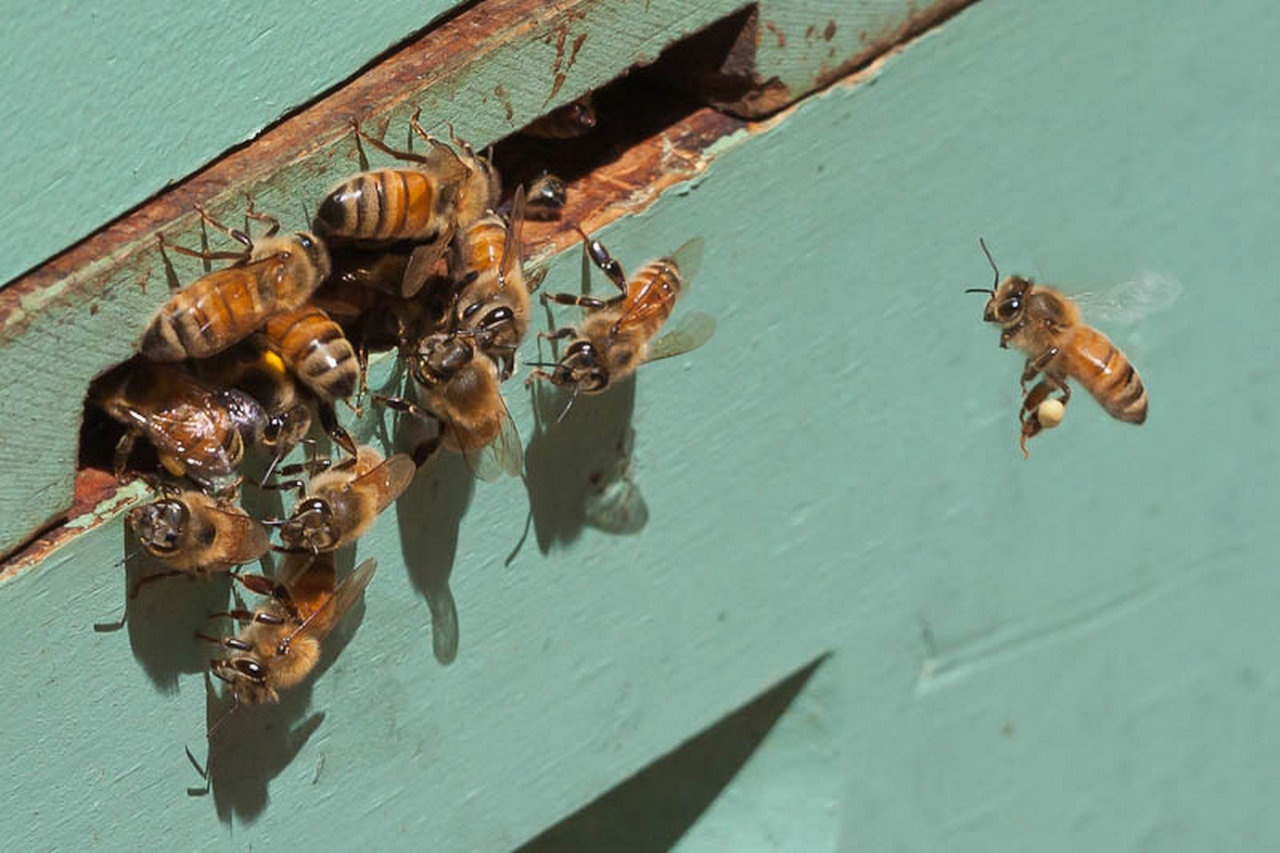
(341, 503)
(281, 640)
(492, 302)
(617, 335)
(197, 535)
(271, 274)
(423, 205)
(1046, 325)
(458, 388)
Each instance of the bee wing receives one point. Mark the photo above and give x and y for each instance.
(688, 259)
(390, 478)
(445, 163)
(254, 540)
(691, 331)
(422, 262)
(325, 617)
(1128, 302)
(502, 456)
(511, 246)
(176, 433)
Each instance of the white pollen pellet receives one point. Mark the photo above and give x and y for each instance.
(1050, 413)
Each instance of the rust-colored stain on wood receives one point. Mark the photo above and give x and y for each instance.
(455, 45)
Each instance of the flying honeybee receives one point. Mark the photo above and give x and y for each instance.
(198, 432)
(269, 275)
(198, 535)
(280, 642)
(1047, 326)
(423, 205)
(492, 302)
(341, 503)
(458, 388)
(618, 335)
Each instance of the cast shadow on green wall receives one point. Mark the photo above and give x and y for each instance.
(651, 810)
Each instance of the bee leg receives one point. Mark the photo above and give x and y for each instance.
(409, 407)
(600, 256)
(1035, 365)
(407, 156)
(581, 301)
(1027, 416)
(273, 224)
(329, 421)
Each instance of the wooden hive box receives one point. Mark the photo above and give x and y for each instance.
(948, 647)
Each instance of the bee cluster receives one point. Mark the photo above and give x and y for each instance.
(423, 259)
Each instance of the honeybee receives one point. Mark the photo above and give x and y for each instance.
(195, 534)
(197, 432)
(617, 335)
(458, 388)
(572, 120)
(545, 198)
(257, 371)
(269, 275)
(423, 205)
(280, 641)
(341, 503)
(316, 351)
(1047, 326)
(492, 302)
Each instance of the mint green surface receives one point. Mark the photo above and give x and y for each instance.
(1070, 652)
(105, 104)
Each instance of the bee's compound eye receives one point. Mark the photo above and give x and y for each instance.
(306, 242)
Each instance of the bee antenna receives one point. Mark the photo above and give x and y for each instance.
(990, 260)
(540, 364)
(978, 290)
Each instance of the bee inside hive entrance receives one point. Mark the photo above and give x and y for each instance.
(557, 160)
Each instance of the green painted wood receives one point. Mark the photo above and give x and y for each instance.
(122, 291)
(104, 107)
(1068, 652)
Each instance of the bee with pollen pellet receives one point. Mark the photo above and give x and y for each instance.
(238, 368)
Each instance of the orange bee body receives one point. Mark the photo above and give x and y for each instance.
(1046, 325)
(316, 350)
(227, 305)
(618, 335)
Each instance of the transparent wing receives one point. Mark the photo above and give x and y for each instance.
(688, 258)
(330, 613)
(1128, 302)
(502, 456)
(691, 331)
(511, 246)
(422, 263)
(390, 478)
(188, 434)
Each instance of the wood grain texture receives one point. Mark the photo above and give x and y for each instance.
(104, 107)
(1072, 652)
(115, 280)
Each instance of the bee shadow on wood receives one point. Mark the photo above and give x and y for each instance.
(163, 617)
(429, 514)
(578, 464)
(254, 743)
